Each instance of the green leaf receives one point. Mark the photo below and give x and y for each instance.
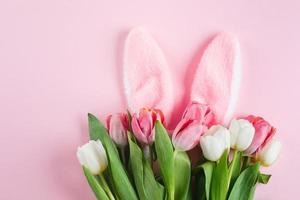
(144, 179)
(235, 168)
(190, 194)
(252, 192)
(203, 174)
(104, 185)
(161, 190)
(136, 163)
(98, 131)
(182, 165)
(117, 174)
(219, 183)
(199, 190)
(153, 189)
(164, 151)
(264, 178)
(109, 181)
(94, 184)
(208, 168)
(246, 161)
(243, 187)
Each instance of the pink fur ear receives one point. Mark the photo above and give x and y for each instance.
(146, 74)
(217, 78)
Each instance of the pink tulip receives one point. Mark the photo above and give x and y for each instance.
(118, 125)
(187, 134)
(196, 119)
(264, 132)
(200, 112)
(143, 124)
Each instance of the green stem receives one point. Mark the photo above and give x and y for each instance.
(123, 156)
(106, 187)
(235, 168)
(233, 162)
(148, 154)
(172, 193)
(246, 162)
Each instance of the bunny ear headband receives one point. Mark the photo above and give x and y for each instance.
(148, 83)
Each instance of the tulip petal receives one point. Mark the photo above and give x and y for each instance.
(245, 138)
(117, 126)
(199, 112)
(264, 132)
(234, 132)
(146, 122)
(138, 133)
(214, 142)
(93, 156)
(212, 148)
(241, 134)
(188, 137)
(270, 153)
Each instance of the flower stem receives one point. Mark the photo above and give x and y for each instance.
(246, 162)
(235, 168)
(106, 187)
(123, 156)
(148, 154)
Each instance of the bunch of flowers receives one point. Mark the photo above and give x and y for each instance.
(137, 156)
(119, 161)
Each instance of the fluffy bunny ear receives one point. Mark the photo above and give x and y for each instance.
(217, 78)
(146, 73)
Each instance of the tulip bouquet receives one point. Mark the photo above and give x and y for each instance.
(207, 155)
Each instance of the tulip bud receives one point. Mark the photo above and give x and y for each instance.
(214, 142)
(118, 126)
(187, 134)
(143, 124)
(264, 132)
(93, 156)
(269, 153)
(200, 112)
(241, 134)
(195, 120)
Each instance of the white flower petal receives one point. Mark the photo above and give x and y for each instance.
(234, 131)
(212, 149)
(269, 154)
(215, 141)
(242, 133)
(93, 156)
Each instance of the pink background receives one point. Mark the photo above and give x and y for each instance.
(60, 59)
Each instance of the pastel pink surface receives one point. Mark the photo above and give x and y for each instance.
(62, 59)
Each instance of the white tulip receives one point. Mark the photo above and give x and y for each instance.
(269, 154)
(93, 156)
(241, 134)
(214, 142)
